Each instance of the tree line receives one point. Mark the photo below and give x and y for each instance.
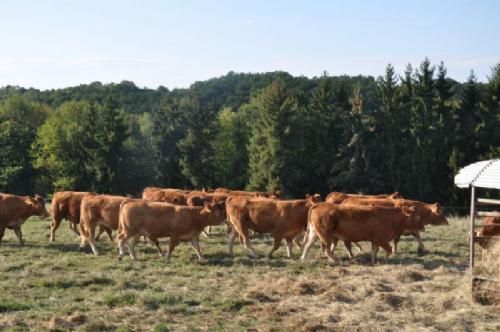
(272, 131)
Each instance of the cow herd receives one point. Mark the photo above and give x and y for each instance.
(183, 215)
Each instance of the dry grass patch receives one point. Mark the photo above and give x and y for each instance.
(55, 287)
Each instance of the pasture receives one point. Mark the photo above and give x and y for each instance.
(54, 286)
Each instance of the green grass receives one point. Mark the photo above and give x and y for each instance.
(56, 287)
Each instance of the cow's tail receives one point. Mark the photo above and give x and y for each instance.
(308, 225)
(121, 220)
(84, 216)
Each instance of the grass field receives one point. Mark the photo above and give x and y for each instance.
(48, 286)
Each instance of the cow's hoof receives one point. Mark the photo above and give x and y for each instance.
(120, 258)
(82, 249)
(420, 252)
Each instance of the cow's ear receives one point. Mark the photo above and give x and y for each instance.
(408, 210)
(436, 208)
(308, 196)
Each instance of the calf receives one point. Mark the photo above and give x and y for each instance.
(102, 210)
(377, 224)
(156, 220)
(485, 233)
(15, 210)
(284, 219)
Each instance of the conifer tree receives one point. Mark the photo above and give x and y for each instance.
(274, 145)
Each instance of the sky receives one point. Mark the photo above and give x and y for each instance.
(55, 44)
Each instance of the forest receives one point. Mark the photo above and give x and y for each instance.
(408, 132)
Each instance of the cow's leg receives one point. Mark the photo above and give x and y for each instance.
(204, 232)
(157, 245)
(276, 245)
(72, 226)
(327, 245)
(2, 232)
(289, 247)
(53, 227)
(420, 248)
(92, 240)
(83, 236)
(103, 229)
(335, 241)
(396, 241)
(196, 245)
(19, 234)
(311, 237)
(131, 246)
(374, 252)
(121, 247)
(207, 231)
(348, 246)
(357, 245)
(173, 243)
(297, 242)
(388, 250)
(230, 241)
(248, 243)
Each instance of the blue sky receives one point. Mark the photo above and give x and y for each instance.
(53, 44)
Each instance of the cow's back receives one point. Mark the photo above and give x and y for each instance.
(351, 223)
(157, 219)
(102, 208)
(11, 206)
(66, 205)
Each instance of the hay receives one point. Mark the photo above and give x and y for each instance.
(486, 284)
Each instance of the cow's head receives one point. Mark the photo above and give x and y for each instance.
(435, 215)
(217, 210)
(37, 205)
(395, 195)
(313, 199)
(414, 221)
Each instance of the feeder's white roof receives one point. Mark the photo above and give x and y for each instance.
(483, 174)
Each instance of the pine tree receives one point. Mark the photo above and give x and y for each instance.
(274, 145)
(196, 150)
(229, 145)
(168, 127)
(323, 133)
(356, 170)
(387, 122)
(490, 135)
(106, 130)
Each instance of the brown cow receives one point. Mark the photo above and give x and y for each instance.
(156, 220)
(198, 198)
(431, 214)
(336, 197)
(102, 210)
(485, 233)
(284, 219)
(15, 210)
(275, 195)
(66, 205)
(169, 195)
(350, 223)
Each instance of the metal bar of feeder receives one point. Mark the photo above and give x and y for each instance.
(471, 230)
(488, 201)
